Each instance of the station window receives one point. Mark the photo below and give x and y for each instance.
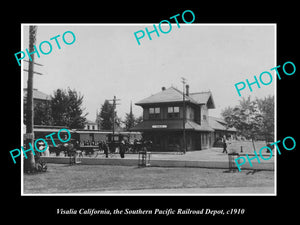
(154, 113)
(173, 112)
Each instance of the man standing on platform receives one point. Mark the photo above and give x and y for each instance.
(224, 145)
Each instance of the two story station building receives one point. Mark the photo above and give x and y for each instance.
(164, 120)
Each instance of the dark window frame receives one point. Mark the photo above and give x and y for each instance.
(172, 114)
(155, 114)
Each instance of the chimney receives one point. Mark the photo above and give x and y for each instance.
(187, 87)
(163, 88)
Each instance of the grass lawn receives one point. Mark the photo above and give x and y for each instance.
(61, 178)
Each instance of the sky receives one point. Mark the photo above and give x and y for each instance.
(105, 61)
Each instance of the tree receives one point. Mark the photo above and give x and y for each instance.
(105, 116)
(246, 118)
(266, 106)
(139, 119)
(58, 103)
(75, 110)
(66, 107)
(43, 113)
(226, 114)
(129, 121)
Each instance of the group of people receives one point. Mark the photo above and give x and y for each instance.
(124, 146)
(111, 147)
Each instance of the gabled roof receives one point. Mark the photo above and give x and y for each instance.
(169, 95)
(219, 124)
(90, 122)
(204, 98)
(174, 95)
(37, 94)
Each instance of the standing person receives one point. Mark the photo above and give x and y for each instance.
(122, 149)
(77, 145)
(99, 148)
(43, 151)
(135, 146)
(224, 145)
(100, 145)
(105, 149)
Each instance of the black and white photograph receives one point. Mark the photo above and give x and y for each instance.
(142, 111)
(149, 109)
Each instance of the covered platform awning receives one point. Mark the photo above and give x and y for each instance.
(219, 124)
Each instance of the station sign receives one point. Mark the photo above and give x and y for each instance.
(159, 126)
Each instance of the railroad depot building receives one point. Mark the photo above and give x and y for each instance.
(163, 120)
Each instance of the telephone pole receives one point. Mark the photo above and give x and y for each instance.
(183, 80)
(29, 163)
(114, 100)
(34, 72)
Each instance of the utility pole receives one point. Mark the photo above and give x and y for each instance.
(183, 80)
(97, 120)
(38, 64)
(114, 100)
(29, 163)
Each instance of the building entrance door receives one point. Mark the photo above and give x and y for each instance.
(159, 141)
(198, 141)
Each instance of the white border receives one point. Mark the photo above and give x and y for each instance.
(157, 194)
(275, 115)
